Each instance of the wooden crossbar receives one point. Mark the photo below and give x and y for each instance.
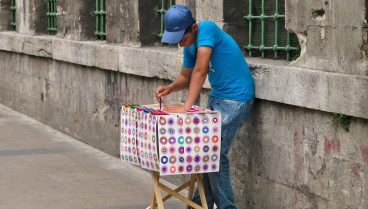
(157, 200)
(185, 185)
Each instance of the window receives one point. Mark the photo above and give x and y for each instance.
(51, 17)
(100, 14)
(267, 34)
(160, 11)
(13, 9)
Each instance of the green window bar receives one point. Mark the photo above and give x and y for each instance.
(13, 10)
(100, 14)
(276, 48)
(161, 11)
(51, 17)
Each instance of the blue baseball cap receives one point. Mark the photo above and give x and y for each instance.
(176, 19)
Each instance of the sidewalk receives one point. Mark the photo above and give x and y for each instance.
(43, 168)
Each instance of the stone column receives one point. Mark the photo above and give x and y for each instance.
(5, 15)
(31, 17)
(122, 22)
(330, 34)
(210, 10)
(191, 4)
(76, 21)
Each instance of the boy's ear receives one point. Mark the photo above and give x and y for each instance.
(195, 27)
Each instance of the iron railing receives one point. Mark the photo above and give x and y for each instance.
(13, 10)
(100, 14)
(276, 47)
(51, 17)
(160, 11)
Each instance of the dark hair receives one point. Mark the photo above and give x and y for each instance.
(189, 28)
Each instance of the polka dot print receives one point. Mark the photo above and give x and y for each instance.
(164, 160)
(163, 140)
(171, 144)
(162, 121)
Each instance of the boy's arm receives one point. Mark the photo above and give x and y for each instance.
(182, 80)
(178, 84)
(198, 77)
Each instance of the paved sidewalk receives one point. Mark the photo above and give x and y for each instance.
(43, 168)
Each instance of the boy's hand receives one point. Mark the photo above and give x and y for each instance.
(176, 108)
(162, 91)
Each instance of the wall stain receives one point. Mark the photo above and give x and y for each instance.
(365, 154)
(332, 145)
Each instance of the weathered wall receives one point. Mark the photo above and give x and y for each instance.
(31, 17)
(288, 155)
(76, 21)
(210, 11)
(150, 23)
(81, 101)
(191, 4)
(235, 24)
(122, 22)
(331, 32)
(285, 155)
(292, 157)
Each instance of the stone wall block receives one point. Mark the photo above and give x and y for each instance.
(324, 43)
(191, 4)
(6, 40)
(323, 27)
(148, 62)
(75, 52)
(76, 21)
(122, 22)
(210, 10)
(313, 89)
(302, 14)
(33, 46)
(31, 17)
(108, 57)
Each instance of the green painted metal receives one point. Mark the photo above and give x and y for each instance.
(262, 17)
(51, 17)
(161, 11)
(13, 9)
(100, 14)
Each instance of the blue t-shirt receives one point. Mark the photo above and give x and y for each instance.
(228, 72)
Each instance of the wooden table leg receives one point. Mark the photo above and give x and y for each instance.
(156, 191)
(156, 198)
(153, 200)
(191, 188)
(201, 191)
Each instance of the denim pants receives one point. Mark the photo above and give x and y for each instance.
(217, 185)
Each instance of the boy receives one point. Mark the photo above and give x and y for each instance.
(208, 50)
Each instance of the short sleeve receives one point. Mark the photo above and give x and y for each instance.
(188, 60)
(207, 34)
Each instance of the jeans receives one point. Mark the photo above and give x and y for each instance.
(217, 185)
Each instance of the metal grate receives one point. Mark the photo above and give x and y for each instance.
(269, 37)
(13, 9)
(160, 11)
(100, 14)
(51, 17)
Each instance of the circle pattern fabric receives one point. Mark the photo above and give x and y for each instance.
(171, 144)
(194, 143)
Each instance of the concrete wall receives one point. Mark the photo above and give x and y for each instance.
(293, 157)
(79, 100)
(331, 32)
(289, 154)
